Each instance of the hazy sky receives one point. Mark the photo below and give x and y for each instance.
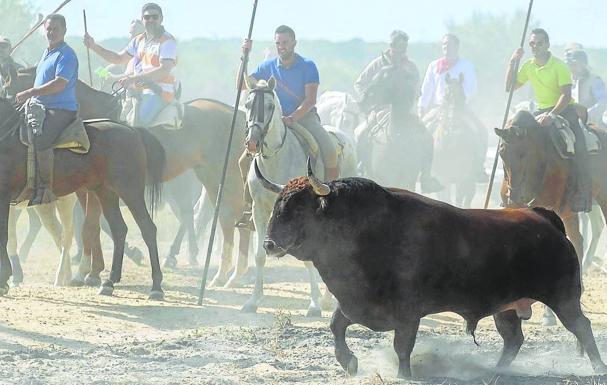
(580, 20)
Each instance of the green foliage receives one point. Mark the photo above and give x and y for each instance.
(16, 18)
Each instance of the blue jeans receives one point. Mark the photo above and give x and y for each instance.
(149, 107)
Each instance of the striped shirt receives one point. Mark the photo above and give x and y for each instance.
(147, 55)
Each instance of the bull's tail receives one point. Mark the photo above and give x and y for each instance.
(156, 162)
(551, 217)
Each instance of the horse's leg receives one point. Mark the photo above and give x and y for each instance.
(171, 259)
(222, 275)
(78, 224)
(65, 207)
(111, 210)
(134, 200)
(596, 224)
(34, 229)
(260, 219)
(49, 219)
(93, 221)
(314, 307)
(5, 265)
(13, 216)
(242, 263)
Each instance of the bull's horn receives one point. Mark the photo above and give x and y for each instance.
(277, 188)
(319, 187)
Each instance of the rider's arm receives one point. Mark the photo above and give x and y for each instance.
(311, 92)
(121, 57)
(53, 87)
(156, 74)
(564, 99)
(521, 77)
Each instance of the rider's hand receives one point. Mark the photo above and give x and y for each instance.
(24, 95)
(126, 81)
(88, 41)
(247, 45)
(288, 121)
(517, 55)
(544, 119)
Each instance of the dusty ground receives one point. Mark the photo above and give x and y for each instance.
(73, 336)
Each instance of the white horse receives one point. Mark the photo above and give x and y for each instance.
(281, 157)
(340, 111)
(62, 232)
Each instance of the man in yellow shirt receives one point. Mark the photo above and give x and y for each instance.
(551, 82)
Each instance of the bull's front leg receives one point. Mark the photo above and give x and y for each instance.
(345, 357)
(404, 340)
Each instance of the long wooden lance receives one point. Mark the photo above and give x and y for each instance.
(241, 75)
(88, 51)
(37, 25)
(506, 113)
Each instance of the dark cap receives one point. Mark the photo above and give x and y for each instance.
(149, 6)
(576, 56)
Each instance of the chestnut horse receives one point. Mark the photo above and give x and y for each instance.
(115, 167)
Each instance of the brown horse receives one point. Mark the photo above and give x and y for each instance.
(198, 145)
(536, 175)
(115, 167)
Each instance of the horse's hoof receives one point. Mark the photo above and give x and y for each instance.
(314, 312)
(170, 263)
(3, 291)
(233, 283)
(352, 368)
(156, 295)
(249, 308)
(92, 281)
(107, 288)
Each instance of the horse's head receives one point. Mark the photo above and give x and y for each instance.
(346, 116)
(390, 85)
(262, 110)
(455, 97)
(522, 151)
(15, 80)
(9, 119)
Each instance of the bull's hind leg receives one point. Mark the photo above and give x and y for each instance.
(345, 357)
(508, 325)
(570, 314)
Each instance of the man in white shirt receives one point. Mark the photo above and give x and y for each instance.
(434, 86)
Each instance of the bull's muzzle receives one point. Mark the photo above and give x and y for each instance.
(272, 249)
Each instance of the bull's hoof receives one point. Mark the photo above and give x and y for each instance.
(156, 295)
(92, 281)
(352, 367)
(3, 290)
(314, 312)
(107, 288)
(249, 308)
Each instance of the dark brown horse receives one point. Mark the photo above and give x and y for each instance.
(116, 166)
(536, 175)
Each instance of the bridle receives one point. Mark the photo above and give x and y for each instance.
(258, 120)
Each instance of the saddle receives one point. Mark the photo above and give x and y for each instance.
(563, 139)
(170, 116)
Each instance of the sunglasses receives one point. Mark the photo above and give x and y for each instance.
(151, 17)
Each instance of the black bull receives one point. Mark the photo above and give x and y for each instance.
(391, 257)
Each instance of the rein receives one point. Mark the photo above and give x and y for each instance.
(258, 106)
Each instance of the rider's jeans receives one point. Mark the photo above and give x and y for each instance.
(149, 107)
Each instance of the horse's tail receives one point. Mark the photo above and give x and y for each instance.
(552, 218)
(156, 162)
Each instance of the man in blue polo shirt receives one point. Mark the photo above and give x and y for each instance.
(297, 83)
(55, 89)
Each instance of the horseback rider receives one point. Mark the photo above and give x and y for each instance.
(297, 82)
(434, 87)
(155, 55)
(551, 81)
(55, 89)
(397, 56)
(588, 89)
(8, 66)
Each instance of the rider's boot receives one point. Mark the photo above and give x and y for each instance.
(44, 178)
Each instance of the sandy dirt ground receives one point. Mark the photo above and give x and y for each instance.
(54, 335)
